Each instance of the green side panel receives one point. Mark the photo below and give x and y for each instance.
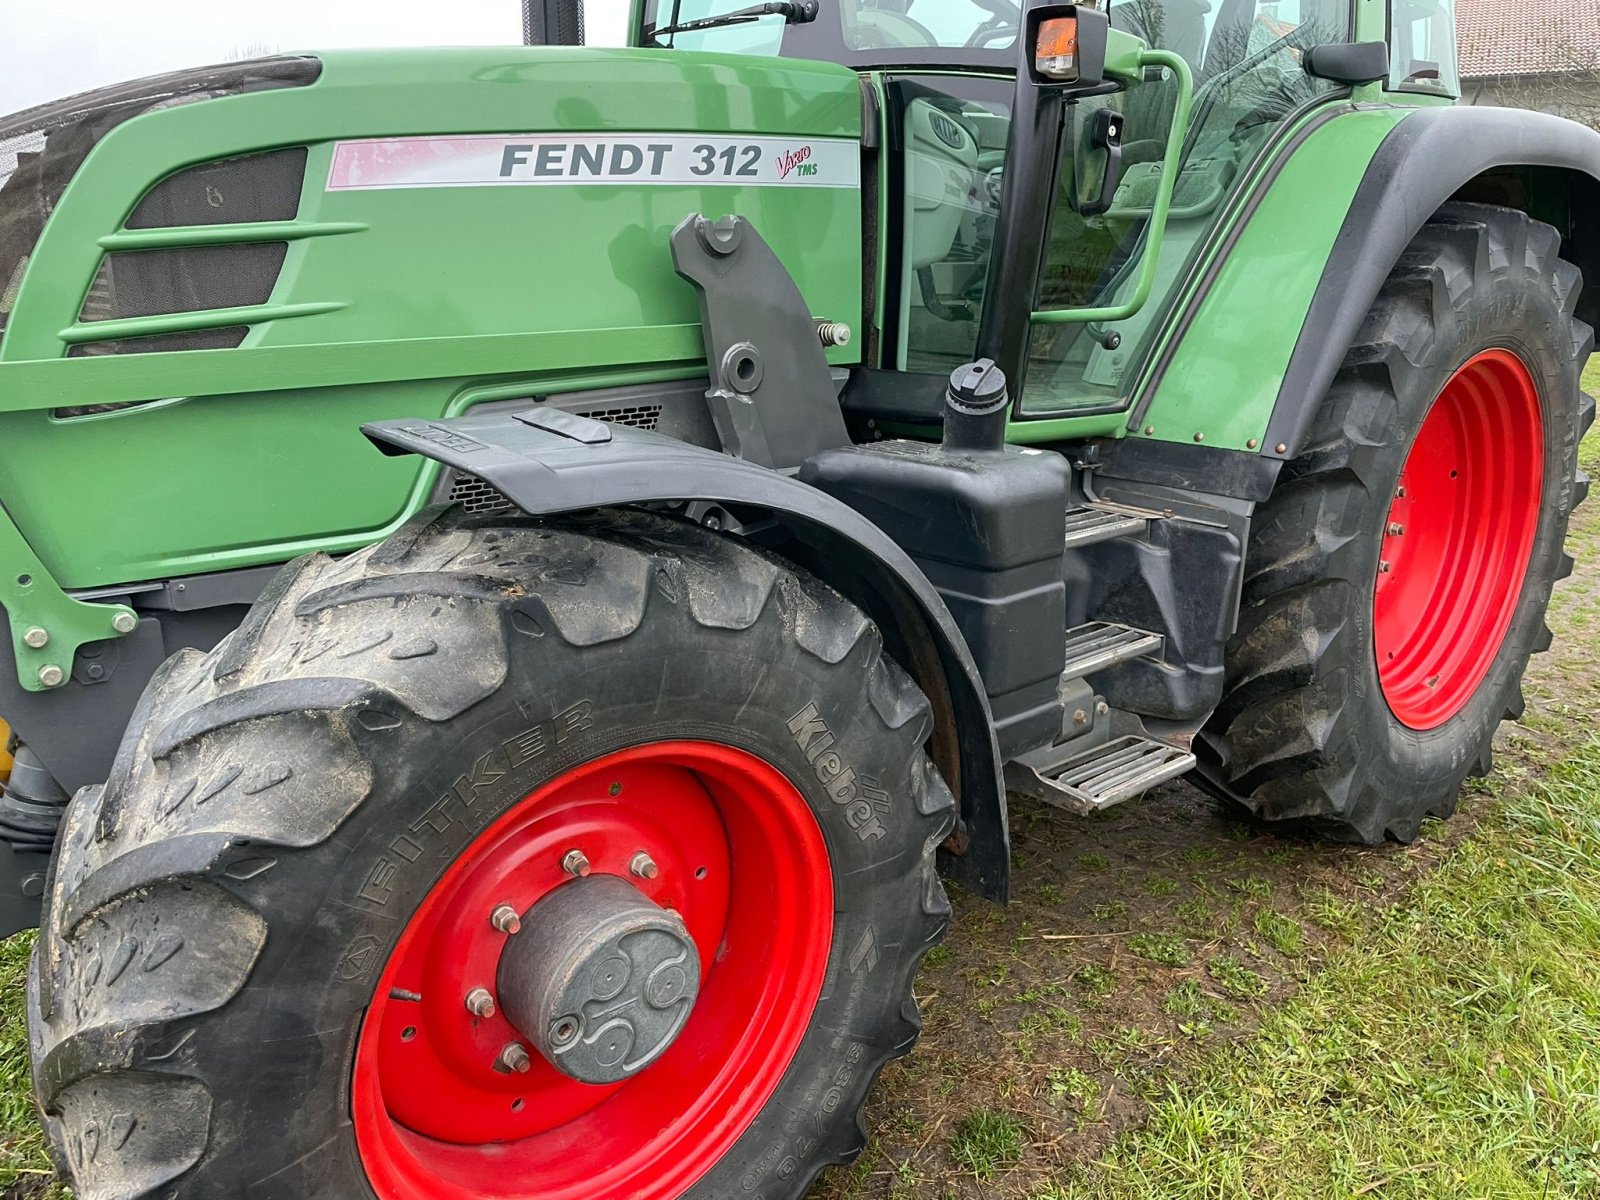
(1223, 379)
(391, 303)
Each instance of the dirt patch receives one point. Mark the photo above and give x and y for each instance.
(1141, 939)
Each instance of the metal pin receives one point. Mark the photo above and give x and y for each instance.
(480, 1003)
(124, 622)
(833, 333)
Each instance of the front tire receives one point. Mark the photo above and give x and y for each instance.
(1398, 577)
(263, 936)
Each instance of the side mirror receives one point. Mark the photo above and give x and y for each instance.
(1349, 63)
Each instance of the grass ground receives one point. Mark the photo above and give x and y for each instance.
(1179, 1006)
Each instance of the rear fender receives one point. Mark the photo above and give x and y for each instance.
(1547, 166)
(548, 462)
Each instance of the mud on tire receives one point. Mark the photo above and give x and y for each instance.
(221, 908)
(1304, 732)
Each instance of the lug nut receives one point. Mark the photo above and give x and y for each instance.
(1399, 493)
(51, 675)
(480, 1003)
(1396, 529)
(1079, 717)
(37, 638)
(124, 622)
(644, 866)
(505, 919)
(575, 863)
(1384, 568)
(514, 1058)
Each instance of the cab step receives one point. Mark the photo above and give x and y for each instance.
(1102, 522)
(1112, 772)
(1101, 644)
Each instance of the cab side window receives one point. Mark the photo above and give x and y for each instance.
(1247, 57)
(1422, 40)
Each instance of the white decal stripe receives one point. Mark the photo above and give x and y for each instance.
(477, 160)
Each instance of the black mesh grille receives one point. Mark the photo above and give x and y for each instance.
(42, 148)
(194, 339)
(476, 496)
(640, 416)
(147, 283)
(257, 187)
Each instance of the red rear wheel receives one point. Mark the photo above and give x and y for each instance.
(732, 848)
(1458, 539)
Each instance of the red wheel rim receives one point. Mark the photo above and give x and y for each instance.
(741, 859)
(1458, 539)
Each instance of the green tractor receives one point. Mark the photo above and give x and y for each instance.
(525, 566)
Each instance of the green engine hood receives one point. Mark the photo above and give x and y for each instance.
(272, 267)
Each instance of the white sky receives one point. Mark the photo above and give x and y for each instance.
(52, 50)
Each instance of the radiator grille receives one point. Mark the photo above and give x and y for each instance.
(148, 283)
(195, 339)
(42, 148)
(255, 187)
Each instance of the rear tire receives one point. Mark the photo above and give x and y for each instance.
(223, 909)
(1309, 729)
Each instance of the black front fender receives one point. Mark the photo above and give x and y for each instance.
(1432, 156)
(548, 462)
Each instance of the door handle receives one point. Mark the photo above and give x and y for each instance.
(1106, 134)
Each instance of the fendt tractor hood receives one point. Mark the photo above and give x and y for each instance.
(364, 197)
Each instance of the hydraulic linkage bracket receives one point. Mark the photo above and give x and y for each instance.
(771, 396)
(47, 625)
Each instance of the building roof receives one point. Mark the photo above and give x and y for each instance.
(1545, 37)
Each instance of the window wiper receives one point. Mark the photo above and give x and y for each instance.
(793, 12)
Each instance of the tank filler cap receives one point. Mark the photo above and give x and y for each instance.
(979, 387)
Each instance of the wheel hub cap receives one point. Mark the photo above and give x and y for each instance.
(601, 979)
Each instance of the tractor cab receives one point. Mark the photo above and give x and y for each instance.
(1119, 260)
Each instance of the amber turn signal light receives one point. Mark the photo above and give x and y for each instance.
(1055, 54)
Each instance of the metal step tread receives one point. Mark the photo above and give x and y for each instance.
(1102, 522)
(1120, 770)
(1101, 644)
